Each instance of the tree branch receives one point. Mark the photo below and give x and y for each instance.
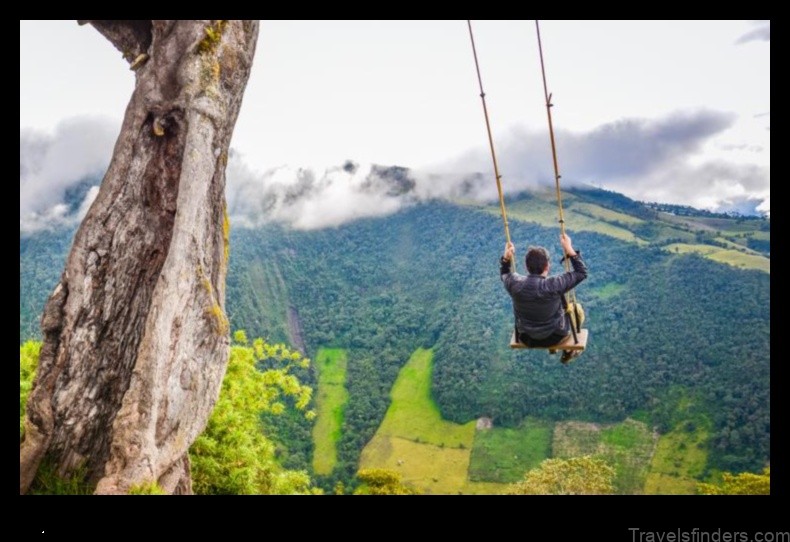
(130, 37)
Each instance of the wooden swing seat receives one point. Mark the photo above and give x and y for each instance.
(565, 344)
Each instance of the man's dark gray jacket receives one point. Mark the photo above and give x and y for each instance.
(537, 302)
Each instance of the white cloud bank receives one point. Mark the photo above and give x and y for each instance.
(645, 159)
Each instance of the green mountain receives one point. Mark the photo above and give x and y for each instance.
(740, 241)
(678, 312)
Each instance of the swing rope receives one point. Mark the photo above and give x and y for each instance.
(490, 140)
(557, 176)
(498, 176)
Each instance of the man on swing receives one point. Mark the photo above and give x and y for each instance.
(538, 300)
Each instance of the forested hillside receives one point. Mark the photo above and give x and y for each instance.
(674, 336)
(664, 328)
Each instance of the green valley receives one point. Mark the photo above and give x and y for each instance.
(330, 400)
(418, 291)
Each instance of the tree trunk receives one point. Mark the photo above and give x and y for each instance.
(135, 336)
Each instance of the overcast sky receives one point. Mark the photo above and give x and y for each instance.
(659, 110)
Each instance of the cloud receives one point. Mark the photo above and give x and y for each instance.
(648, 160)
(762, 33)
(716, 185)
(645, 159)
(765, 114)
(633, 147)
(741, 147)
(655, 161)
(621, 149)
(306, 199)
(765, 206)
(53, 168)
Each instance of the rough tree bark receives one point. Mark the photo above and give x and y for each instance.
(135, 335)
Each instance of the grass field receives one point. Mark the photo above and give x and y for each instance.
(666, 232)
(723, 255)
(503, 455)
(413, 414)
(545, 213)
(441, 457)
(432, 469)
(728, 226)
(736, 246)
(430, 453)
(574, 439)
(330, 401)
(644, 462)
(744, 261)
(602, 213)
(682, 453)
(680, 457)
(627, 446)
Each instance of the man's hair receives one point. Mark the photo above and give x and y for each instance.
(537, 259)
